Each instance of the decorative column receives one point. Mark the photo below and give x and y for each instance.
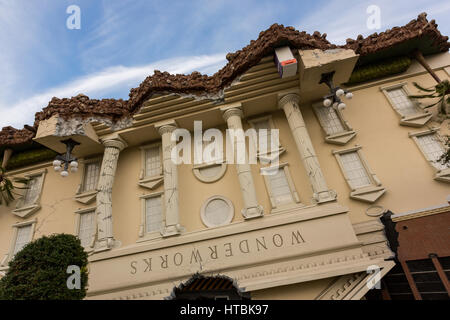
(252, 209)
(172, 221)
(113, 146)
(289, 103)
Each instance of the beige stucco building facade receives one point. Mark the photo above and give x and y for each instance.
(309, 232)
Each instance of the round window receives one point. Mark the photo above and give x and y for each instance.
(209, 172)
(217, 211)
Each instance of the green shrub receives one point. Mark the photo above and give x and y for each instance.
(39, 270)
(379, 69)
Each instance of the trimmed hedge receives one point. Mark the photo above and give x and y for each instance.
(29, 157)
(39, 270)
(379, 69)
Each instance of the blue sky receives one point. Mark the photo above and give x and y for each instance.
(122, 41)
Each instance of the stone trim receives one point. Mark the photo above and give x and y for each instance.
(143, 235)
(421, 213)
(150, 182)
(196, 170)
(372, 236)
(78, 213)
(340, 138)
(367, 193)
(25, 211)
(230, 211)
(86, 197)
(266, 157)
(417, 120)
(440, 175)
(294, 194)
(8, 257)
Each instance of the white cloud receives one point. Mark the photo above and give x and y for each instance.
(102, 83)
(346, 19)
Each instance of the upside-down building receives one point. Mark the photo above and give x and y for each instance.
(358, 199)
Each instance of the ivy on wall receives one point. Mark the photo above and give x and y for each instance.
(379, 69)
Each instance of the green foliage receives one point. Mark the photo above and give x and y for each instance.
(379, 69)
(30, 157)
(7, 193)
(445, 158)
(38, 271)
(441, 91)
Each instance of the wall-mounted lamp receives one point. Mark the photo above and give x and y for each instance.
(64, 161)
(336, 93)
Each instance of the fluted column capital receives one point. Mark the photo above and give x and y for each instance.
(166, 126)
(235, 110)
(114, 141)
(291, 98)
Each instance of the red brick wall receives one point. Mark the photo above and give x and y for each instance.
(421, 236)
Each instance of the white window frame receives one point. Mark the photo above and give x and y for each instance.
(87, 197)
(150, 182)
(416, 120)
(78, 214)
(296, 199)
(340, 138)
(369, 193)
(9, 256)
(229, 217)
(25, 210)
(266, 157)
(143, 234)
(440, 174)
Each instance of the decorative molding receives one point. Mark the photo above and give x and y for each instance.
(372, 236)
(229, 217)
(421, 213)
(417, 120)
(197, 171)
(370, 193)
(86, 197)
(27, 210)
(290, 98)
(340, 138)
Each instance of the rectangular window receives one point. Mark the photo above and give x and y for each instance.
(267, 138)
(337, 130)
(410, 111)
(364, 184)
(22, 238)
(329, 119)
(153, 161)
(87, 227)
(33, 191)
(153, 214)
(355, 171)
(433, 149)
(402, 103)
(29, 201)
(91, 175)
(280, 187)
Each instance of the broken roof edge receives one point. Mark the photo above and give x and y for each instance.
(203, 86)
